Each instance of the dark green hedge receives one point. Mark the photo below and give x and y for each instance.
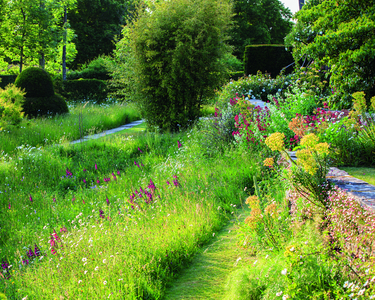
(267, 59)
(36, 82)
(7, 79)
(41, 106)
(83, 90)
(236, 75)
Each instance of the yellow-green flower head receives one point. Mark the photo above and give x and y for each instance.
(322, 148)
(310, 141)
(276, 141)
(306, 160)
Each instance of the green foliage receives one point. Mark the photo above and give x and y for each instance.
(97, 24)
(96, 69)
(40, 106)
(259, 22)
(11, 100)
(339, 35)
(83, 90)
(177, 49)
(7, 79)
(269, 59)
(36, 82)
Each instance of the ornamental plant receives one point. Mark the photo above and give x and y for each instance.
(308, 174)
(11, 100)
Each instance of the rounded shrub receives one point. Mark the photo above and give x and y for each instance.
(40, 106)
(36, 82)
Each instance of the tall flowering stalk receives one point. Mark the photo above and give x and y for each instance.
(308, 174)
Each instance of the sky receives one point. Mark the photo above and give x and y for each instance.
(292, 4)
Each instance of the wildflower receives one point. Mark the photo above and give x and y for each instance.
(101, 213)
(114, 176)
(284, 272)
(346, 284)
(107, 200)
(361, 292)
(285, 297)
(9, 206)
(268, 162)
(79, 281)
(84, 259)
(63, 229)
(36, 250)
(179, 144)
(97, 268)
(306, 160)
(118, 173)
(322, 148)
(104, 282)
(310, 140)
(140, 150)
(275, 141)
(53, 251)
(54, 199)
(31, 199)
(96, 166)
(279, 294)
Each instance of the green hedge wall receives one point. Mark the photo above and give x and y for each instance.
(83, 90)
(6, 79)
(267, 59)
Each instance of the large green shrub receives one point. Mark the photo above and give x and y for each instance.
(177, 49)
(36, 82)
(96, 69)
(83, 90)
(40, 97)
(11, 99)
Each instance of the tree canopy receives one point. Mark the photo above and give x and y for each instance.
(339, 34)
(259, 22)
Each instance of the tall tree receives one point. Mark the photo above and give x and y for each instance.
(259, 22)
(97, 23)
(339, 34)
(31, 32)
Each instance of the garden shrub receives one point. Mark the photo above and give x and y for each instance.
(11, 100)
(83, 90)
(270, 59)
(7, 79)
(40, 97)
(36, 82)
(177, 51)
(96, 69)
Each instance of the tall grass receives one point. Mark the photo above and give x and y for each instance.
(111, 241)
(82, 120)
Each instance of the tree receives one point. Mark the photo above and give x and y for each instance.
(176, 50)
(338, 34)
(97, 23)
(259, 22)
(30, 32)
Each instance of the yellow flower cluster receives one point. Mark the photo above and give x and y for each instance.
(310, 140)
(359, 102)
(275, 141)
(298, 126)
(269, 162)
(306, 160)
(322, 148)
(271, 209)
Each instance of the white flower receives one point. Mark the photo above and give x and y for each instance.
(120, 279)
(346, 284)
(104, 261)
(361, 292)
(97, 268)
(79, 281)
(292, 249)
(279, 293)
(24, 298)
(85, 272)
(84, 259)
(104, 282)
(284, 272)
(285, 297)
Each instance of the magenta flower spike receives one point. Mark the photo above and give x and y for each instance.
(118, 173)
(114, 176)
(54, 200)
(9, 206)
(84, 180)
(107, 200)
(96, 166)
(31, 198)
(98, 181)
(179, 144)
(140, 150)
(54, 234)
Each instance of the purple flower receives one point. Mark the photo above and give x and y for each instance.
(54, 199)
(63, 229)
(98, 181)
(118, 173)
(151, 185)
(179, 144)
(5, 265)
(36, 250)
(31, 198)
(176, 183)
(73, 199)
(84, 180)
(96, 166)
(140, 150)
(30, 253)
(9, 206)
(68, 173)
(114, 176)
(101, 213)
(168, 183)
(136, 164)
(25, 262)
(107, 200)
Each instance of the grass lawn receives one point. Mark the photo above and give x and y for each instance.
(365, 174)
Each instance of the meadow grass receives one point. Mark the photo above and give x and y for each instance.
(83, 119)
(97, 237)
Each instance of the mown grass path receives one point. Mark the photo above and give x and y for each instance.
(206, 277)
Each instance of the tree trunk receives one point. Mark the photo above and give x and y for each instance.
(42, 60)
(64, 47)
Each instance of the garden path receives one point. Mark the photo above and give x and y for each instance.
(207, 275)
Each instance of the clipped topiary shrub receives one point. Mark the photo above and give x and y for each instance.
(41, 106)
(36, 82)
(40, 97)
